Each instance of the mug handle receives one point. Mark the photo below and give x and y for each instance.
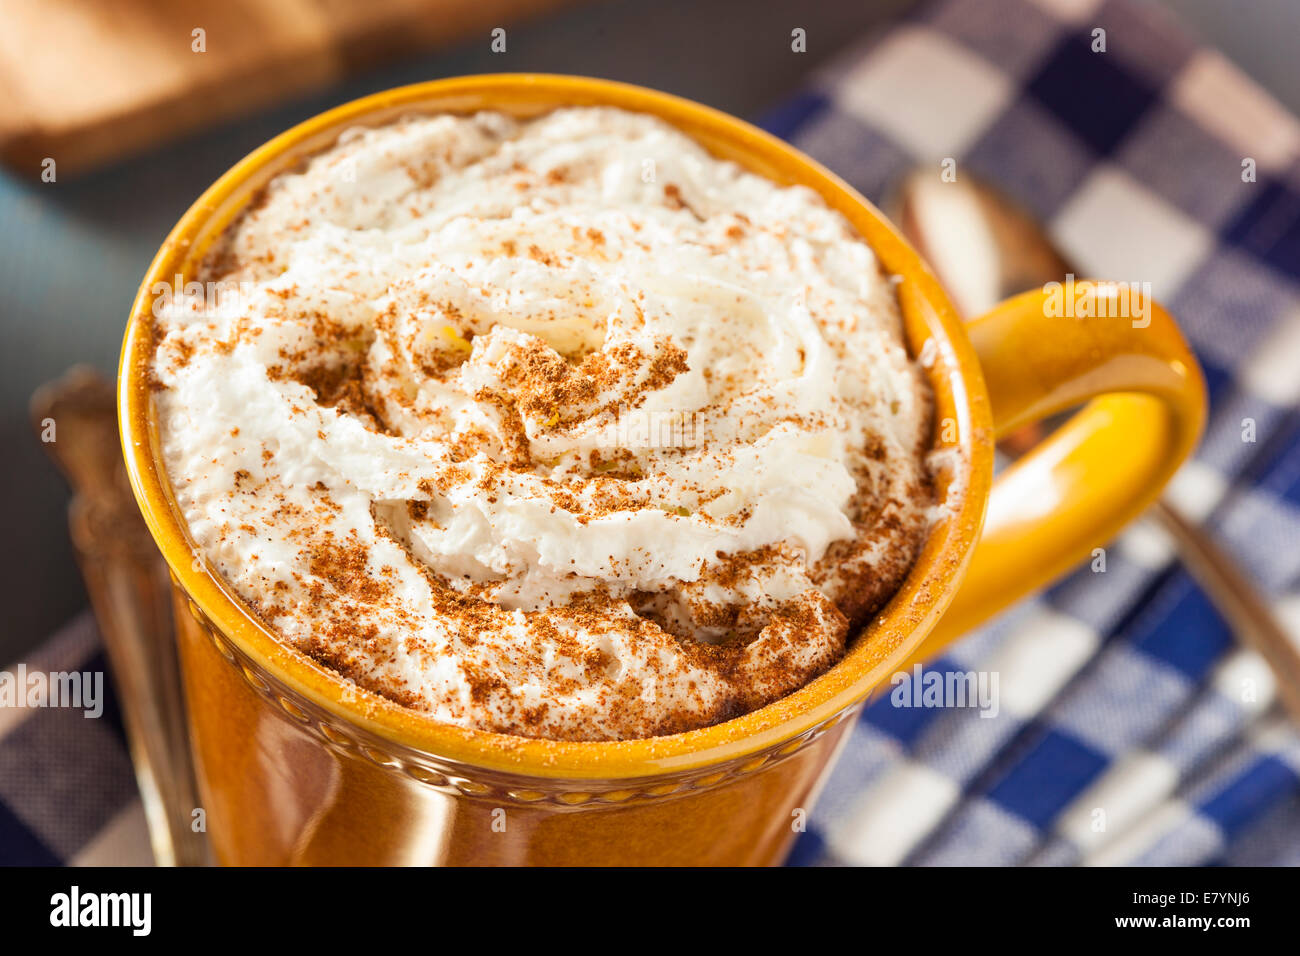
(1104, 466)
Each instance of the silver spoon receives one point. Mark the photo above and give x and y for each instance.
(985, 248)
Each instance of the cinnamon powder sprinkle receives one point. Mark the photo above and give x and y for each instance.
(496, 447)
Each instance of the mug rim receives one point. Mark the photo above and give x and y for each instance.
(894, 631)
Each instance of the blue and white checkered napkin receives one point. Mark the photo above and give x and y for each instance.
(1130, 727)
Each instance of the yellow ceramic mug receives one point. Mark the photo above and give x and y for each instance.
(298, 766)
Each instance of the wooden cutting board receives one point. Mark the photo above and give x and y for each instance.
(87, 81)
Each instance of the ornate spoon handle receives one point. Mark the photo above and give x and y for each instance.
(127, 581)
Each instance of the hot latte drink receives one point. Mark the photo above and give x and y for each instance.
(560, 428)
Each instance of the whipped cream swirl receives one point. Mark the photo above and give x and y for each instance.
(561, 427)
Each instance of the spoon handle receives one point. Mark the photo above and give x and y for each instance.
(129, 591)
(1244, 608)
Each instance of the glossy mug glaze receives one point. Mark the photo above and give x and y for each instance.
(298, 766)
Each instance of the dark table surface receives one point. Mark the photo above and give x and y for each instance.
(72, 252)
